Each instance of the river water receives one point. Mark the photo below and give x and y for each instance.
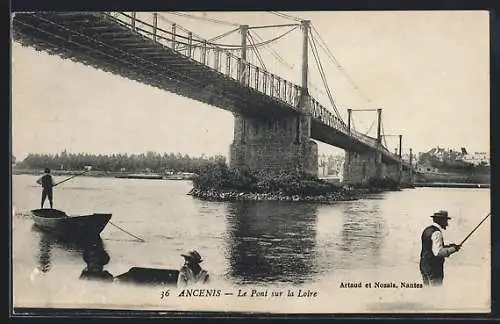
(273, 246)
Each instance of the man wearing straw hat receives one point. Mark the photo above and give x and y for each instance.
(191, 272)
(434, 251)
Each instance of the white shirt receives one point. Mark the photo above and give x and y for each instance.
(437, 240)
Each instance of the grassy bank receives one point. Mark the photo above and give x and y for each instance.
(218, 182)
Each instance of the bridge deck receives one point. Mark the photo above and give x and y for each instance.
(111, 44)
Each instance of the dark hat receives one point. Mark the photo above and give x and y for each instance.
(47, 170)
(96, 254)
(441, 214)
(193, 255)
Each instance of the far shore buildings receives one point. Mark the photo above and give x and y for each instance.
(450, 157)
(477, 158)
(330, 166)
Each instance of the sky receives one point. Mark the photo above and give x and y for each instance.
(428, 71)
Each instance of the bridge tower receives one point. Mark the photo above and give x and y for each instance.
(281, 144)
(360, 167)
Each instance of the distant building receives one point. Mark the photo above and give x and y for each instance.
(452, 157)
(477, 158)
(330, 165)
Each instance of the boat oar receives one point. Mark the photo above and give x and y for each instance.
(127, 232)
(76, 175)
(475, 228)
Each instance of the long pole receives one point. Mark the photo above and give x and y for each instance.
(121, 229)
(76, 175)
(475, 228)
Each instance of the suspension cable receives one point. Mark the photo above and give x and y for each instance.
(263, 43)
(281, 60)
(382, 131)
(284, 15)
(140, 66)
(370, 128)
(273, 52)
(217, 37)
(256, 51)
(228, 46)
(332, 57)
(323, 77)
(217, 21)
(353, 127)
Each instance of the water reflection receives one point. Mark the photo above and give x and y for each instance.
(92, 251)
(362, 235)
(96, 257)
(44, 253)
(271, 242)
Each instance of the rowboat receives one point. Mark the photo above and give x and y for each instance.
(149, 276)
(76, 227)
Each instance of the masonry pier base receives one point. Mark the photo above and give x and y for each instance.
(273, 146)
(361, 168)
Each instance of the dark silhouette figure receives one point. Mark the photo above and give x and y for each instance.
(47, 183)
(434, 251)
(96, 258)
(44, 256)
(191, 272)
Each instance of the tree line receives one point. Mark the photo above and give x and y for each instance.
(150, 161)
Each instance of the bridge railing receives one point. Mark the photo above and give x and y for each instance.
(220, 59)
(325, 116)
(224, 61)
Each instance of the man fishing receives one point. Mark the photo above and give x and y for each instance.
(47, 184)
(434, 251)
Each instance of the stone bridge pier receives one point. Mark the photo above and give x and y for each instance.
(360, 167)
(274, 145)
(408, 177)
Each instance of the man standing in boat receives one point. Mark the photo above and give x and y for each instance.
(434, 251)
(191, 272)
(47, 184)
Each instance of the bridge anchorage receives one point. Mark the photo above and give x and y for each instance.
(275, 120)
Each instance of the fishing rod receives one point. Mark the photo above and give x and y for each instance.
(76, 175)
(137, 237)
(465, 239)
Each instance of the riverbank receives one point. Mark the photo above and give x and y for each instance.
(452, 185)
(92, 173)
(339, 194)
(233, 195)
(109, 174)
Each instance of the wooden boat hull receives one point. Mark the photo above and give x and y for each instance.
(140, 176)
(149, 276)
(57, 222)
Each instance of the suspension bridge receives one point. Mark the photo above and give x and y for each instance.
(275, 119)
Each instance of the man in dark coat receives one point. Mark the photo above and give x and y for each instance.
(96, 257)
(434, 251)
(47, 184)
